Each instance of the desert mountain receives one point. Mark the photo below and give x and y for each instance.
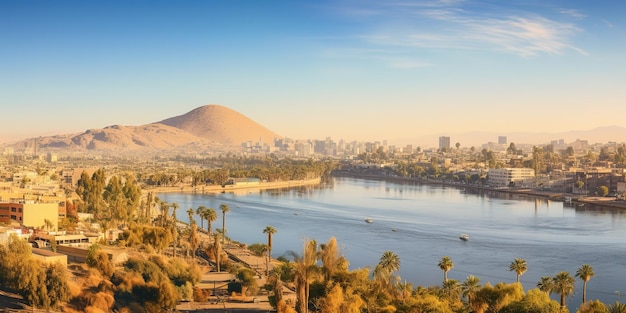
(221, 124)
(210, 125)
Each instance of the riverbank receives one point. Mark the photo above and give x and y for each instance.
(592, 202)
(209, 189)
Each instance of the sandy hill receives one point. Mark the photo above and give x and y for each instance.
(210, 125)
(221, 124)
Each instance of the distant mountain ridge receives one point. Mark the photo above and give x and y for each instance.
(209, 125)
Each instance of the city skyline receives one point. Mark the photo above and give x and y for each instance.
(357, 70)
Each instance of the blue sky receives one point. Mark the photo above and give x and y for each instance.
(351, 69)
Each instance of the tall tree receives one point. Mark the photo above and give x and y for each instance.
(585, 272)
(469, 288)
(563, 285)
(225, 209)
(445, 264)
(200, 211)
(332, 261)
(175, 207)
(304, 269)
(190, 215)
(193, 237)
(210, 216)
(269, 230)
(165, 209)
(519, 266)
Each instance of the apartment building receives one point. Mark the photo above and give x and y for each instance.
(510, 176)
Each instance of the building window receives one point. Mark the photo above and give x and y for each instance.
(13, 217)
(13, 210)
(19, 210)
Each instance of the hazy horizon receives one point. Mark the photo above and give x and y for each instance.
(353, 70)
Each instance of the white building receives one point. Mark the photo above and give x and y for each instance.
(510, 176)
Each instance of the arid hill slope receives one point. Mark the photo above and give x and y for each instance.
(209, 125)
(116, 137)
(221, 124)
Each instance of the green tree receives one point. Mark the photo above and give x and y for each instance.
(535, 301)
(269, 230)
(519, 266)
(563, 285)
(210, 216)
(603, 191)
(617, 308)
(247, 277)
(190, 215)
(200, 211)
(98, 259)
(332, 261)
(388, 264)
(225, 209)
(593, 307)
(585, 272)
(469, 288)
(175, 207)
(546, 284)
(57, 284)
(304, 269)
(445, 264)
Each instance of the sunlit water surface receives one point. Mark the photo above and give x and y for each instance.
(422, 223)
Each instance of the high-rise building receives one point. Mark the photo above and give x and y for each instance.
(502, 140)
(444, 142)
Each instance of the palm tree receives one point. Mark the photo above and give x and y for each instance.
(190, 214)
(563, 285)
(200, 211)
(519, 266)
(175, 207)
(617, 308)
(451, 289)
(269, 230)
(304, 269)
(225, 209)
(546, 284)
(165, 209)
(389, 263)
(47, 224)
(332, 261)
(469, 288)
(210, 216)
(445, 264)
(585, 272)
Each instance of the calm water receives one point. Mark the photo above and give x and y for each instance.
(422, 223)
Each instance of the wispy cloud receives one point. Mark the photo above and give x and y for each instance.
(572, 13)
(607, 23)
(454, 24)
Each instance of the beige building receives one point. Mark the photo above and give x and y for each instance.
(30, 213)
(510, 176)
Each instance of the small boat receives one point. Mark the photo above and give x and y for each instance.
(464, 237)
(369, 220)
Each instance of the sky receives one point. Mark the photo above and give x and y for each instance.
(346, 69)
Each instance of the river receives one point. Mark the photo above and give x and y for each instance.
(422, 223)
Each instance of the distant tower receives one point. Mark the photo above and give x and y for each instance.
(35, 147)
(502, 140)
(444, 142)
